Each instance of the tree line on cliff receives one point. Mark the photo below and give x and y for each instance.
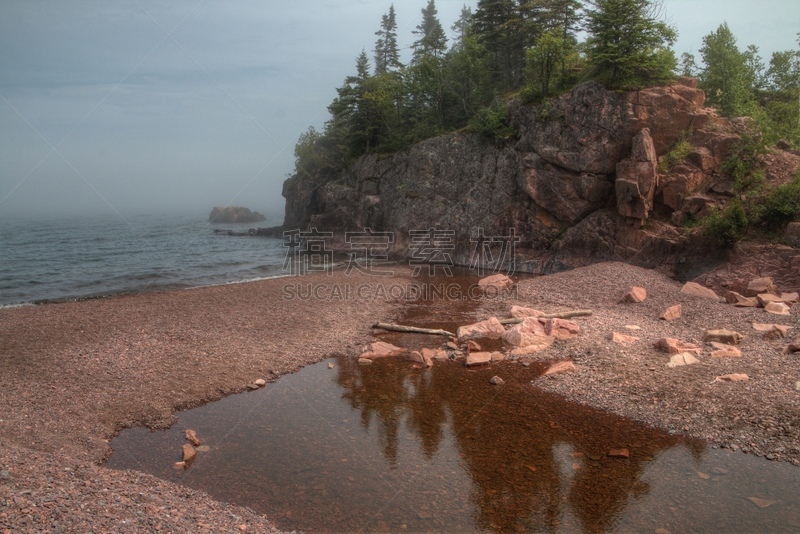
(529, 49)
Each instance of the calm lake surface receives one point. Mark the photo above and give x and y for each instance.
(379, 448)
(72, 257)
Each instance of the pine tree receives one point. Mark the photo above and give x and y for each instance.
(387, 53)
(627, 45)
(461, 28)
(725, 77)
(498, 29)
(432, 40)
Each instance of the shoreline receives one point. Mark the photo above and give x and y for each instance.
(77, 372)
(758, 416)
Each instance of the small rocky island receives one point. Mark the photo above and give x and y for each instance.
(234, 214)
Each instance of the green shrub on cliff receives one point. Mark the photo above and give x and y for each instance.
(781, 205)
(726, 226)
(677, 153)
(493, 123)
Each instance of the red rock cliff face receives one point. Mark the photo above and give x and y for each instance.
(580, 184)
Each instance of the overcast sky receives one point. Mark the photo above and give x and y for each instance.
(132, 106)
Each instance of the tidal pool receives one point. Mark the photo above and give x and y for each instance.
(386, 448)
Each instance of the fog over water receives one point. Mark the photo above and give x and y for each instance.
(146, 106)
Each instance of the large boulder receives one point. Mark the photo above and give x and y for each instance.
(490, 329)
(567, 195)
(530, 334)
(636, 178)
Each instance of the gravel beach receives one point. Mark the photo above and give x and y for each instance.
(73, 374)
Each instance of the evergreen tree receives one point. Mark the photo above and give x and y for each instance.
(348, 129)
(725, 77)
(627, 45)
(687, 65)
(497, 25)
(461, 28)
(387, 53)
(432, 40)
(568, 15)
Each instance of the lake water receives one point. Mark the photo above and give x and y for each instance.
(78, 257)
(341, 447)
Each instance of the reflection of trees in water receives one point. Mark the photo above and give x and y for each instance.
(507, 438)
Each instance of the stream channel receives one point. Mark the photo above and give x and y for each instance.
(343, 447)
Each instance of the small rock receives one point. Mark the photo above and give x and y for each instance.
(635, 295)
(790, 297)
(765, 298)
(261, 382)
(633, 327)
(452, 346)
(478, 358)
(416, 357)
(672, 313)
(695, 289)
(440, 355)
(203, 448)
(560, 368)
(619, 453)
(679, 360)
(497, 381)
(364, 361)
(760, 285)
(671, 345)
(734, 377)
(761, 503)
(330, 366)
(498, 357)
(191, 437)
(189, 454)
(778, 331)
(740, 301)
(381, 349)
(623, 339)
(472, 346)
(778, 308)
(179, 465)
(726, 351)
(704, 476)
(490, 328)
(252, 387)
(242, 527)
(496, 281)
(728, 337)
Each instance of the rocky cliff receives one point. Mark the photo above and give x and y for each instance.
(581, 183)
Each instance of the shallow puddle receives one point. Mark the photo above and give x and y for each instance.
(387, 448)
(339, 447)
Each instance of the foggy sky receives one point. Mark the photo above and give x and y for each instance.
(136, 106)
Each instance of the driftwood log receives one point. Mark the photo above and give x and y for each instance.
(560, 315)
(412, 329)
